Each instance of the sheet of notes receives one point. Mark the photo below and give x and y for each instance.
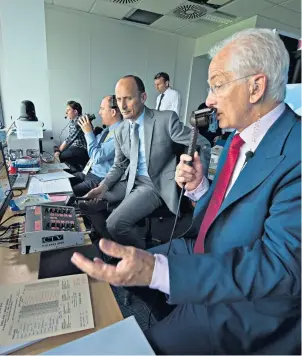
(44, 308)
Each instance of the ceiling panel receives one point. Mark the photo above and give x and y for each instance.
(159, 6)
(294, 5)
(245, 8)
(169, 23)
(198, 28)
(82, 5)
(283, 15)
(109, 9)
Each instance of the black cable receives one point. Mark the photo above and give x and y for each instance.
(12, 226)
(62, 132)
(13, 216)
(169, 247)
(5, 231)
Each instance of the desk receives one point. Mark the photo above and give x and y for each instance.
(17, 268)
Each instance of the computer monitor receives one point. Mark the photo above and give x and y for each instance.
(6, 192)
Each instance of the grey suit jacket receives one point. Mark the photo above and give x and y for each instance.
(162, 130)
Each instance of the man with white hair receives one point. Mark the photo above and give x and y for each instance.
(235, 276)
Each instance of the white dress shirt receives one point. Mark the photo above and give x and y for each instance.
(170, 101)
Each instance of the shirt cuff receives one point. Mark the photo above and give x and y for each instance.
(89, 137)
(198, 192)
(160, 277)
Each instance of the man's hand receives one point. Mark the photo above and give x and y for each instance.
(135, 268)
(85, 124)
(188, 176)
(97, 193)
(57, 156)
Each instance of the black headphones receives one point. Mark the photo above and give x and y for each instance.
(113, 102)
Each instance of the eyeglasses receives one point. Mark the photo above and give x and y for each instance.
(216, 88)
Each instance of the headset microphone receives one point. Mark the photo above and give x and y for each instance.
(65, 117)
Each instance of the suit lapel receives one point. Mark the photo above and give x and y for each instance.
(126, 134)
(148, 132)
(266, 158)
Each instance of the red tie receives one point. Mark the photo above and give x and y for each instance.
(219, 191)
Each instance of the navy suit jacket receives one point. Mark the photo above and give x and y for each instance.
(249, 276)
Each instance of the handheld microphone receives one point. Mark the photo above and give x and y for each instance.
(199, 118)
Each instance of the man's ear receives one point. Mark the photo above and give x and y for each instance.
(143, 97)
(167, 83)
(257, 87)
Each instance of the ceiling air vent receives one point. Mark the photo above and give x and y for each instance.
(191, 12)
(125, 2)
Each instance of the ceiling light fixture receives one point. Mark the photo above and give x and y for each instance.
(125, 2)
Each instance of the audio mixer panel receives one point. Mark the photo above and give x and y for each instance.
(50, 227)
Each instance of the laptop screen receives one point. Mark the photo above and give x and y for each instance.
(5, 187)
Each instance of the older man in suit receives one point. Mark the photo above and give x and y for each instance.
(142, 176)
(235, 276)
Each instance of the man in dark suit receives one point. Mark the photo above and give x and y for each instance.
(142, 176)
(235, 276)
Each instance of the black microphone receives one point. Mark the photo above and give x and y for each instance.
(198, 118)
(248, 156)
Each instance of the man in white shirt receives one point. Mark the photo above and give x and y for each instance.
(168, 99)
(235, 276)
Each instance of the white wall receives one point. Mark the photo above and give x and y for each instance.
(198, 86)
(87, 54)
(23, 58)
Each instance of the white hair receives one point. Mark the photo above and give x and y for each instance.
(259, 50)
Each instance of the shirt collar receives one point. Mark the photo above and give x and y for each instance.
(139, 120)
(253, 134)
(114, 126)
(167, 91)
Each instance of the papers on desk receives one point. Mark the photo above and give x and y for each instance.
(44, 308)
(122, 338)
(49, 187)
(53, 176)
(46, 167)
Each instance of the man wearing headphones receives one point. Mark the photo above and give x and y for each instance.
(73, 150)
(169, 99)
(100, 148)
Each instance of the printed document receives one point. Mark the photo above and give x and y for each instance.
(53, 176)
(44, 308)
(38, 187)
(29, 129)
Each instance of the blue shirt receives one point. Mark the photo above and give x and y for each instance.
(142, 164)
(102, 153)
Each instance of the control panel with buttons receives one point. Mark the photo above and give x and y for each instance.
(50, 227)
